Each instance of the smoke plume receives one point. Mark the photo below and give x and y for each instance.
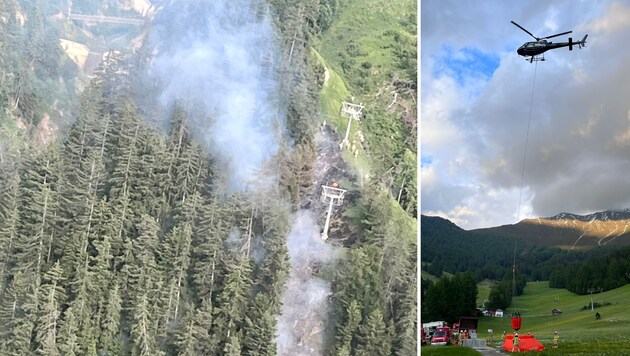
(305, 302)
(219, 57)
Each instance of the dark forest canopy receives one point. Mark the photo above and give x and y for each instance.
(450, 298)
(448, 248)
(113, 239)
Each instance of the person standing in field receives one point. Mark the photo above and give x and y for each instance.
(515, 343)
(556, 337)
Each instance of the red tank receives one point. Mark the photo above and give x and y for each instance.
(526, 343)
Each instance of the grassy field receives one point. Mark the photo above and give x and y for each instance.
(448, 351)
(573, 324)
(580, 333)
(366, 39)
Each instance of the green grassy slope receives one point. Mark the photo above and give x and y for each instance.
(332, 94)
(372, 41)
(483, 291)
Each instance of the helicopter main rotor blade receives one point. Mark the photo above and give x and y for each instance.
(521, 27)
(560, 34)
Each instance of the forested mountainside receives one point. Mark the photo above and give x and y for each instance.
(132, 229)
(448, 248)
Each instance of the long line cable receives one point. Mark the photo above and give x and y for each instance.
(529, 119)
(520, 195)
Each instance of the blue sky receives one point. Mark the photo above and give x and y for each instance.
(475, 103)
(465, 63)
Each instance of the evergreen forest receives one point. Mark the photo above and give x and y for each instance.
(120, 234)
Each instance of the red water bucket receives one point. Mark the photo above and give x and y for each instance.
(516, 323)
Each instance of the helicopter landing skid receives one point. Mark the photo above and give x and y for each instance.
(537, 58)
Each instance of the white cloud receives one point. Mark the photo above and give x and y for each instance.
(551, 20)
(437, 109)
(617, 19)
(459, 215)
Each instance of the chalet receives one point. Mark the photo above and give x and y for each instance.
(488, 312)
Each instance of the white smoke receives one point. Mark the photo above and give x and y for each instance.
(220, 55)
(305, 302)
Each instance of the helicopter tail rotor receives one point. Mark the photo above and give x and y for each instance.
(582, 43)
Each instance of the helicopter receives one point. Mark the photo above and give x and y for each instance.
(535, 50)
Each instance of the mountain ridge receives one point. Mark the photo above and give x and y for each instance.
(600, 215)
(569, 230)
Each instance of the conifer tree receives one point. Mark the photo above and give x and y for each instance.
(9, 223)
(188, 173)
(360, 279)
(39, 200)
(259, 329)
(90, 131)
(52, 297)
(233, 301)
(272, 272)
(205, 342)
(78, 237)
(348, 328)
(154, 179)
(109, 338)
(68, 338)
(126, 157)
(208, 252)
(175, 257)
(232, 346)
(374, 338)
(185, 339)
(18, 313)
(405, 309)
(141, 329)
(81, 331)
(144, 288)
